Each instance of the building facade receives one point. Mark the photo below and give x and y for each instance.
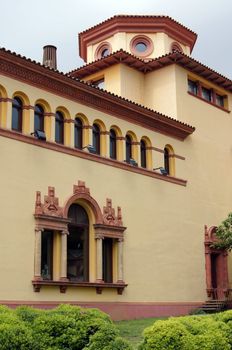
(115, 175)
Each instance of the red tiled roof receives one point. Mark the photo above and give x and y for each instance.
(135, 24)
(132, 61)
(34, 73)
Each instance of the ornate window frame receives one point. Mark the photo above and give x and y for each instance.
(101, 48)
(49, 215)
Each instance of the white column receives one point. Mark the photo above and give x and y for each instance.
(63, 264)
(37, 259)
(120, 260)
(99, 259)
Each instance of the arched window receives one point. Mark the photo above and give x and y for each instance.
(78, 129)
(166, 160)
(78, 244)
(39, 118)
(59, 128)
(17, 114)
(113, 144)
(96, 139)
(128, 148)
(143, 154)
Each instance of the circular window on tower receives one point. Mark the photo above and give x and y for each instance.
(103, 50)
(141, 46)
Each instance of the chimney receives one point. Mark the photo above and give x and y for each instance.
(49, 56)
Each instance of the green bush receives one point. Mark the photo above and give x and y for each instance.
(65, 327)
(187, 333)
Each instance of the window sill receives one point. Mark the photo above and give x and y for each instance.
(65, 284)
(210, 103)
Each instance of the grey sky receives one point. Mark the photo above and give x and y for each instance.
(27, 25)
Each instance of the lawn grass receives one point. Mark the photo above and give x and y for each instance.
(133, 330)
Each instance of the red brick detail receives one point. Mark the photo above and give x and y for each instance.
(120, 310)
(222, 289)
(109, 217)
(50, 207)
(82, 192)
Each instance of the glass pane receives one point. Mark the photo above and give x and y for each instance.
(141, 47)
(78, 133)
(206, 94)
(59, 128)
(78, 215)
(105, 52)
(96, 138)
(143, 154)
(219, 100)
(128, 148)
(46, 255)
(16, 122)
(166, 160)
(77, 254)
(113, 147)
(192, 87)
(107, 261)
(39, 118)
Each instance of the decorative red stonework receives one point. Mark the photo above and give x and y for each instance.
(109, 217)
(49, 215)
(50, 206)
(217, 282)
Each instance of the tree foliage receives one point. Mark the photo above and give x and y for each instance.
(224, 234)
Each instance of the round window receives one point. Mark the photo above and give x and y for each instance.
(141, 46)
(103, 50)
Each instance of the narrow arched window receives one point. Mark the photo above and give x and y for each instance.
(167, 160)
(78, 129)
(128, 148)
(59, 128)
(113, 144)
(39, 118)
(143, 154)
(17, 114)
(78, 244)
(96, 139)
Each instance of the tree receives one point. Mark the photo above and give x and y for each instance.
(224, 234)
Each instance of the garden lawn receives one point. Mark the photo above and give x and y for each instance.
(132, 330)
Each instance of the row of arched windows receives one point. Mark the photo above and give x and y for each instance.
(39, 125)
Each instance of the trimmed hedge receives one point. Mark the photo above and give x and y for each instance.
(65, 327)
(190, 333)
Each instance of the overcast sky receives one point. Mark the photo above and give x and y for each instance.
(27, 25)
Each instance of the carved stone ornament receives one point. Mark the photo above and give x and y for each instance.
(50, 207)
(109, 217)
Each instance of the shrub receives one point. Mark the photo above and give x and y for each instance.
(187, 333)
(15, 336)
(27, 313)
(164, 335)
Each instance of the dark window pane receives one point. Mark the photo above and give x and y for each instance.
(78, 215)
(107, 260)
(113, 144)
(192, 87)
(39, 118)
(219, 100)
(143, 154)
(17, 113)
(78, 133)
(166, 160)
(206, 94)
(78, 244)
(128, 148)
(99, 83)
(96, 138)
(47, 255)
(59, 128)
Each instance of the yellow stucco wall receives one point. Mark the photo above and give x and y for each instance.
(163, 249)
